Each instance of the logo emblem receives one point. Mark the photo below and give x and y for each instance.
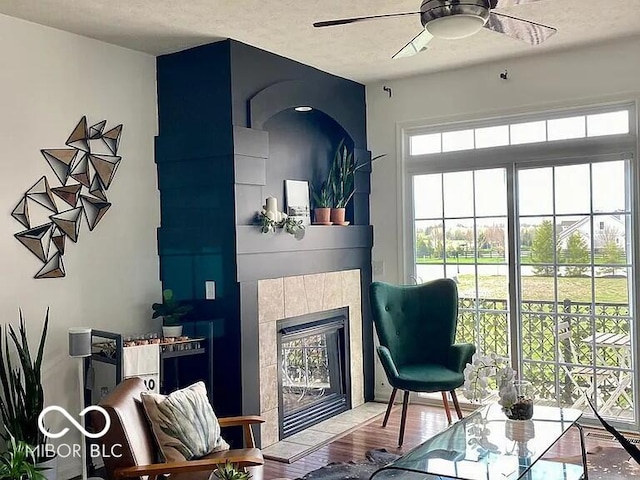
(76, 424)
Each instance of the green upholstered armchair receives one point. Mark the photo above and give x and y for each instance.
(416, 326)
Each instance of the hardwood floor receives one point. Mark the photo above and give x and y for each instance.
(422, 423)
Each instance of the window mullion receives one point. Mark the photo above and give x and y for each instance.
(513, 236)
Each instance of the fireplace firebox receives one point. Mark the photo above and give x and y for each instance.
(313, 378)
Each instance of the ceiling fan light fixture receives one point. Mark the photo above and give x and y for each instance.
(455, 26)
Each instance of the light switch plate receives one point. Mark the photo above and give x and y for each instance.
(210, 290)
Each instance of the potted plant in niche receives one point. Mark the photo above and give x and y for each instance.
(22, 398)
(322, 204)
(342, 179)
(171, 313)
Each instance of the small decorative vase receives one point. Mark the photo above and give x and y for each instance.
(322, 216)
(337, 216)
(522, 408)
(519, 431)
(172, 331)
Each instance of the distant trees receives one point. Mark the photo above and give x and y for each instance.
(608, 234)
(422, 249)
(576, 252)
(612, 254)
(495, 236)
(543, 248)
(526, 235)
(429, 242)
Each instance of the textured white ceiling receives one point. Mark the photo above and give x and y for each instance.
(360, 51)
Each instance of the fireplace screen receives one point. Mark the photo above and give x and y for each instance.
(312, 377)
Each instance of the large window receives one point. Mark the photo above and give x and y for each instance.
(575, 277)
(461, 233)
(563, 128)
(539, 239)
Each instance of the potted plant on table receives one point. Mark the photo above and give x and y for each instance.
(171, 313)
(22, 398)
(514, 395)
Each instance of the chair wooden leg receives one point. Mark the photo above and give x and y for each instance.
(403, 420)
(446, 406)
(389, 407)
(454, 397)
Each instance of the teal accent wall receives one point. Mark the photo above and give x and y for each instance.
(213, 171)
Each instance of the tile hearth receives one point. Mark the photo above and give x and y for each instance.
(297, 446)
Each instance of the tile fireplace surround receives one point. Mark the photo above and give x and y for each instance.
(280, 298)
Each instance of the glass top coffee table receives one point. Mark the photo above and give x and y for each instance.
(488, 446)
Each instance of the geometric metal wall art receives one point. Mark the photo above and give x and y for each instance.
(85, 171)
(36, 240)
(21, 212)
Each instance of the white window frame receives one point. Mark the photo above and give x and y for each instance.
(556, 152)
(508, 121)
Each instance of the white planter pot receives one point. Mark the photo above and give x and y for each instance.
(175, 331)
(50, 468)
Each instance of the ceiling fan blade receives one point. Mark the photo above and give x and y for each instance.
(417, 45)
(525, 30)
(346, 21)
(510, 3)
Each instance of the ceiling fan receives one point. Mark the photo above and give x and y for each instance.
(453, 19)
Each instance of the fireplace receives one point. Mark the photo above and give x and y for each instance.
(313, 381)
(282, 302)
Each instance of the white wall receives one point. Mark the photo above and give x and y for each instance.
(48, 80)
(590, 75)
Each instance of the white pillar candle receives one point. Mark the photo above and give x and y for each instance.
(271, 204)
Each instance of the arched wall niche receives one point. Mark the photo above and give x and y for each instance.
(301, 147)
(289, 94)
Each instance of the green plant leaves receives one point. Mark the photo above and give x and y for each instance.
(322, 198)
(230, 471)
(19, 462)
(171, 310)
(22, 397)
(342, 175)
(340, 186)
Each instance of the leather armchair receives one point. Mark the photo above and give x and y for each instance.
(416, 327)
(131, 438)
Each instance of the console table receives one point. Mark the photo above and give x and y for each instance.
(108, 350)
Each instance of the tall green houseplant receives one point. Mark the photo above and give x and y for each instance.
(342, 175)
(22, 397)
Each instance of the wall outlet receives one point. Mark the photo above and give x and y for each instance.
(378, 267)
(210, 290)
